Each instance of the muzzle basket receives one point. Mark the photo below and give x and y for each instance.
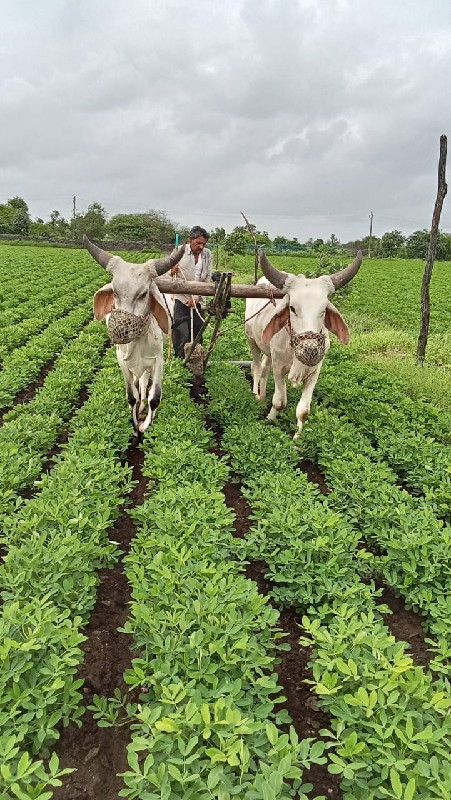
(309, 347)
(124, 327)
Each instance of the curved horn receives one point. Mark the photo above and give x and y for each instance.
(101, 256)
(162, 265)
(343, 276)
(275, 276)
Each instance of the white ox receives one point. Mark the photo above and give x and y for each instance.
(137, 319)
(293, 335)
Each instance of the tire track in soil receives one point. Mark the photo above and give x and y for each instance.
(292, 669)
(99, 754)
(403, 623)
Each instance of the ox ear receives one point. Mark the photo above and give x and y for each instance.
(159, 312)
(277, 321)
(335, 323)
(103, 301)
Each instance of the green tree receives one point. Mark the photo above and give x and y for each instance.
(443, 252)
(217, 236)
(40, 228)
(58, 226)
(333, 243)
(153, 226)
(317, 244)
(92, 223)
(392, 243)
(417, 244)
(235, 242)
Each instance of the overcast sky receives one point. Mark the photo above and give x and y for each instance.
(305, 114)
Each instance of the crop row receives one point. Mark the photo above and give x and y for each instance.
(402, 436)
(56, 543)
(24, 364)
(55, 288)
(390, 734)
(28, 274)
(367, 384)
(29, 430)
(15, 335)
(415, 545)
(205, 724)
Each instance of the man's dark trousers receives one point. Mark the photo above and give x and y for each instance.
(181, 326)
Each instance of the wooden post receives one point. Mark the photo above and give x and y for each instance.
(168, 286)
(248, 225)
(371, 233)
(425, 300)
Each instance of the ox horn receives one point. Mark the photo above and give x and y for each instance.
(101, 256)
(343, 276)
(275, 276)
(162, 265)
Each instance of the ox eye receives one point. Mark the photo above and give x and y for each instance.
(292, 308)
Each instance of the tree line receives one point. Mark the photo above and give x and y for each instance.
(155, 226)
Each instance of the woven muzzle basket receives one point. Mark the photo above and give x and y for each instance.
(309, 347)
(124, 327)
(196, 361)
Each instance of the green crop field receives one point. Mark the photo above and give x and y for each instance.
(217, 613)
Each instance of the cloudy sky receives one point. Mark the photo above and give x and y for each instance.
(305, 114)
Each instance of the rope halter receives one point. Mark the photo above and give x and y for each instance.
(309, 347)
(124, 327)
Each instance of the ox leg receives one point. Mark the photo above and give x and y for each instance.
(154, 395)
(303, 407)
(143, 384)
(266, 366)
(132, 395)
(256, 368)
(279, 398)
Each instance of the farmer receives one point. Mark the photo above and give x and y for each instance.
(195, 265)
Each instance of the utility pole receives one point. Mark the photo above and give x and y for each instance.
(74, 200)
(371, 233)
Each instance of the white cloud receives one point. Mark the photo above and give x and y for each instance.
(306, 115)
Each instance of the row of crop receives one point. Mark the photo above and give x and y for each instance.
(204, 726)
(24, 364)
(366, 383)
(29, 430)
(56, 543)
(390, 733)
(415, 545)
(14, 336)
(29, 274)
(401, 435)
(54, 288)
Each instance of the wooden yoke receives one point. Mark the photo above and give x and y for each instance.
(168, 286)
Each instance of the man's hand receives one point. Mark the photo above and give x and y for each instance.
(175, 269)
(190, 302)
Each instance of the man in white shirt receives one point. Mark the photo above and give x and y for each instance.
(195, 265)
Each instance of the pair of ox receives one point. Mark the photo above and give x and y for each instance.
(293, 336)
(137, 318)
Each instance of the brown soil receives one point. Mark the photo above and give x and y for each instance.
(27, 394)
(99, 754)
(314, 474)
(406, 626)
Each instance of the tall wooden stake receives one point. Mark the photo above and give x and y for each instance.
(74, 201)
(248, 226)
(371, 233)
(425, 300)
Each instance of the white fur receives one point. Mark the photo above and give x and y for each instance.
(309, 298)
